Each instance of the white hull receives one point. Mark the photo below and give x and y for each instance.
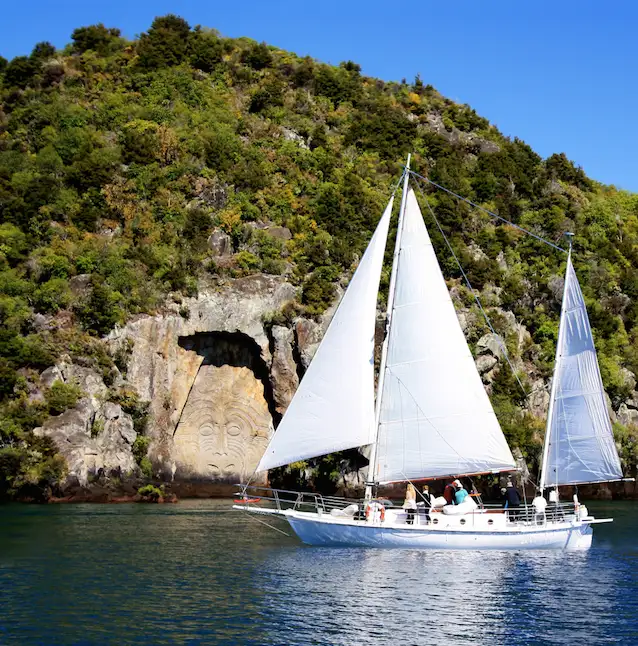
(473, 531)
(575, 535)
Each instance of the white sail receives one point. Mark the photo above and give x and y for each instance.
(436, 418)
(580, 443)
(333, 408)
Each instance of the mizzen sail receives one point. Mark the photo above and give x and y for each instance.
(333, 408)
(579, 439)
(436, 418)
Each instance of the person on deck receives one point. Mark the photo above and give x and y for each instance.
(461, 493)
(427, 502)
(410, 503)
(540, 504)
(448, 493)
(512, 498)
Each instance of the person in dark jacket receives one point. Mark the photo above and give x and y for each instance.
(512, 498)
(427, 502)
(448, 493)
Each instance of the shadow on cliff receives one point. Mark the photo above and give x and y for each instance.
(234, 349)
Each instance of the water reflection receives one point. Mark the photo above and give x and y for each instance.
(197, 573)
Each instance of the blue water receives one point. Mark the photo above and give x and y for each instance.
(197, 573)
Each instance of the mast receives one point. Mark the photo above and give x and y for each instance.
(372, 476)
(557, 359)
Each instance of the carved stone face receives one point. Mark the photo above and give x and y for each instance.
(225, 424)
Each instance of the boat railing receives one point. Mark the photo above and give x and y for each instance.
(528, 515)
(268, 498)
(282, 499)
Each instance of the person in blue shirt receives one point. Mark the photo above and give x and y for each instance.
(461, 494)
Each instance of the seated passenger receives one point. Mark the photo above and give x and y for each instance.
(449, 493)
(460, 494)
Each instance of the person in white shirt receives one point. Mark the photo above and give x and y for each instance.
(539, 503)
(556, 513)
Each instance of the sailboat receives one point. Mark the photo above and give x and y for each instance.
(431, 417)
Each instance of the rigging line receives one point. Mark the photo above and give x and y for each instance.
(425, 417)
(476, 298)
(281, 531)
(494, 215)
(396, 186)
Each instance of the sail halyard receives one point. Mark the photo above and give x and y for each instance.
(579, 444)
(372, 465)
(333, 408)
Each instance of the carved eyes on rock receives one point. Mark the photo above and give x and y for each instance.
(233, 429)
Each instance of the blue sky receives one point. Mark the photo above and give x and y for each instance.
(559, 75)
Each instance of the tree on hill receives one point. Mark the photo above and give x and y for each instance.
(95, 37)
(165, 44)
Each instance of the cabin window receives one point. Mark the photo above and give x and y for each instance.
(462, 521)
(490, 521)
(435, 521)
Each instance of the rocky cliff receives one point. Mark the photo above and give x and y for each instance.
(214, 379)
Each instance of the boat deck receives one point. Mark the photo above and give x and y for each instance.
(264, 500)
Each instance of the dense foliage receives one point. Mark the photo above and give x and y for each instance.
(118, 159)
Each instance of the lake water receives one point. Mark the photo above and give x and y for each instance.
(197, 572)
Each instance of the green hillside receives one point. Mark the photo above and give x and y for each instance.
(119, 158)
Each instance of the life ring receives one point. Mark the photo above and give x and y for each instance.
(372, 508)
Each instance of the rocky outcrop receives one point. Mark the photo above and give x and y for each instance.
(213, 387)
(490, 344)
(283, 373)
(96, 436)
(220, 244)
(167, 358)
(307, 336)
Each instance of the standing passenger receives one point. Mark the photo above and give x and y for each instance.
(540, 504)
(427, 499)
(410, 503)
(512, 499)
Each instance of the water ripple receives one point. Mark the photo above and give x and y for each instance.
(196, 573)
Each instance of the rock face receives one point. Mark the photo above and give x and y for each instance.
(176, 365)
(225, 426)
(95, 437)
(214, 389)
(283, 374)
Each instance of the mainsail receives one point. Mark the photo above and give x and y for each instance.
(333, 408)
(436, 418)
(579, 444)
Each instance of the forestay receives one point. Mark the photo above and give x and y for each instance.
(333, 408)
(580, 445)
(436, 418)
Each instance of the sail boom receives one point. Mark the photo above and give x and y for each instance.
(451, 475)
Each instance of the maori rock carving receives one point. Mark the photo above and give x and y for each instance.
(225, 425)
